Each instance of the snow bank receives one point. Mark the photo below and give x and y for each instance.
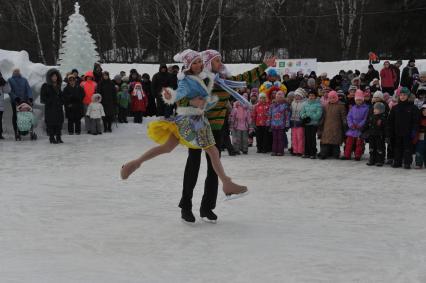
(331, 68)
(34, 72)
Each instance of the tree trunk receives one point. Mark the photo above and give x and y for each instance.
(34, 20)
(113, 29)
(60, 22)
(200, 25)
(186, 29)
(360, 27)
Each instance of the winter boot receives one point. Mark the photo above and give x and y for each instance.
(59, 139)
(52, 140)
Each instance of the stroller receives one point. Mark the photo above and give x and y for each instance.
(25, 121)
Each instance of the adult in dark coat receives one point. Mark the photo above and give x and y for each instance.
(51, 97)
(73, 95)
(395, 67)
(336, 82)
(151, 110)
(97, 72)
(403, 122)
(407, 74)
(161, 80)
(107, 90)
(371, 74)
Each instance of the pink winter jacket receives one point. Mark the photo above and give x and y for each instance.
(240, 118)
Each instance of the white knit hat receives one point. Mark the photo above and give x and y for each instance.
(378, 94)
(300, 92)
(187, 57)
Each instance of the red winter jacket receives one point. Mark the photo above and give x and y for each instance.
(139, 102)
(388, 77)
(260, 114)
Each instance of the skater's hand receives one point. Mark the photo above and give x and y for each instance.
(167, 95)
(198, 102)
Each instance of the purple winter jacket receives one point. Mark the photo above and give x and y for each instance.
(357, 118)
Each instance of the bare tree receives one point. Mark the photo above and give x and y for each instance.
(360, 27)
(178, 16)
(346, 15)
(36, 29)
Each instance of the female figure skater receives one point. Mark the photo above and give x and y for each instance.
(190, 127)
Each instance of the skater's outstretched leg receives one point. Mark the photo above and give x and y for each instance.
(229, 187)
(131, 166)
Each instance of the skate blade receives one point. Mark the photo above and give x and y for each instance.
(188, 223)
(205, 219)
(235, 196)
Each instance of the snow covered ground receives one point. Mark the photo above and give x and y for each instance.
(66, 217)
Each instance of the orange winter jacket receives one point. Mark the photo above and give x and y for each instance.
(89, 89)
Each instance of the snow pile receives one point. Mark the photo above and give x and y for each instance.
(331, 68)
(35, 73)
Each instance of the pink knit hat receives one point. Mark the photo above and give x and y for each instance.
(359, 95)
(333, 95)
(187, 57)
(208, 56)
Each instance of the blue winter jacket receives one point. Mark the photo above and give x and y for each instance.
(19, 88)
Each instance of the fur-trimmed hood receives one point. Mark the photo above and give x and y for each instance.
(49, 75)
(96, 96)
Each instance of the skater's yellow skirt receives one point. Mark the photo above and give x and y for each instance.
(160, 131)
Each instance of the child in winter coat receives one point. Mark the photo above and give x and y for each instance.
(375, 131)
(260, 117)
(421, 142)
(240, 124)
(356, 120)
(123, 98)
(311, 114)
(332, 126)
(297, 130)
(139, 103)
(253, 100)
(278, 121)
(89, 86)
(402, 126)
(95, 112)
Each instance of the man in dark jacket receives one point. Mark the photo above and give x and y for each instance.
(407, 74)
(108, 92)
(371, 74)
(151, 110)
(51, 97)
(402, 126)
(395, 67)
(161, 80)
(20, 92)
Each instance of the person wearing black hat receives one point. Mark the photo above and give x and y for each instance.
(161, 80)
(395, 67)
(371, 74)
(402, 126)
(407, 74)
